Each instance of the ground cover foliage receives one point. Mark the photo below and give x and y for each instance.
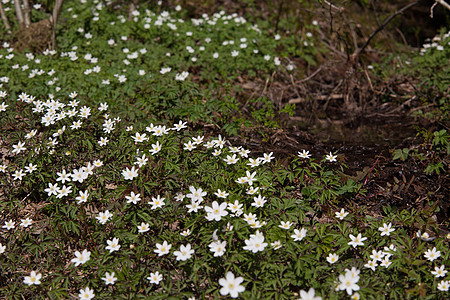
(112, 185)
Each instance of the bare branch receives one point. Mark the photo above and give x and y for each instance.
(19, 13)
(4, 18)
(54, 20)
(381, 27)
(26, 13)
(339, 9)
(443, 3)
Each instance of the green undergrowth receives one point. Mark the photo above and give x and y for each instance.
(107, 191)
(427, 71)
(96, 206)
(153, 63)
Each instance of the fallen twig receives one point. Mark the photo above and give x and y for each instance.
(311, 76)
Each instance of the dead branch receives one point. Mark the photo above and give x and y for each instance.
(4, 18)
(443, 3)
(381, 27)
(332, 6)
(312, 75)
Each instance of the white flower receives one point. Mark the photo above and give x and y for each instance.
(81, 257)
(198, 140)
(18, 148)
(189, 146)
(386, 229)
(155, 277)
(221, 194)
(348, 281)
(76, 124)
(388, 250)
(310, 295)
(255, 243)
(34, 278)
(252, 190)
(285, 225)
(218, 247)
(30, 168)
(231, 285)
(162, 249)
(432, 254)
(196, 194)
(184, 253)
(332, 258)
(30, 134)
(253, 162)
(141, 161)
(385, 262)
(52, 189)
(186, 232)
(216, 211)
(155, 148)
(103, 217)
(103, 141)
(83, 197)
(103, 106)
(133, 198)
(304, 154)
(249, 218)
(330, 157)
(113, 245)
(234, 207)
(194, 206)
(2, 248)
(179, 197)
(109, 278)
(181, 76)
(299, 234)
(377, 255)
(424, 236)
(129, 174)
(165, 70)
(371, 264)
(64, 191)
(3, 106)
(26, 222)
(267, 157)
(250, 177)
(230, 160)
(356, 241)
(18, 174)
(86, 294)
(276, 245)
(138, 138)
(157, 202)
(439, 272)
(144, 227)
(9, 225)
(259, 201)
(179, 126)
(443, 285)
